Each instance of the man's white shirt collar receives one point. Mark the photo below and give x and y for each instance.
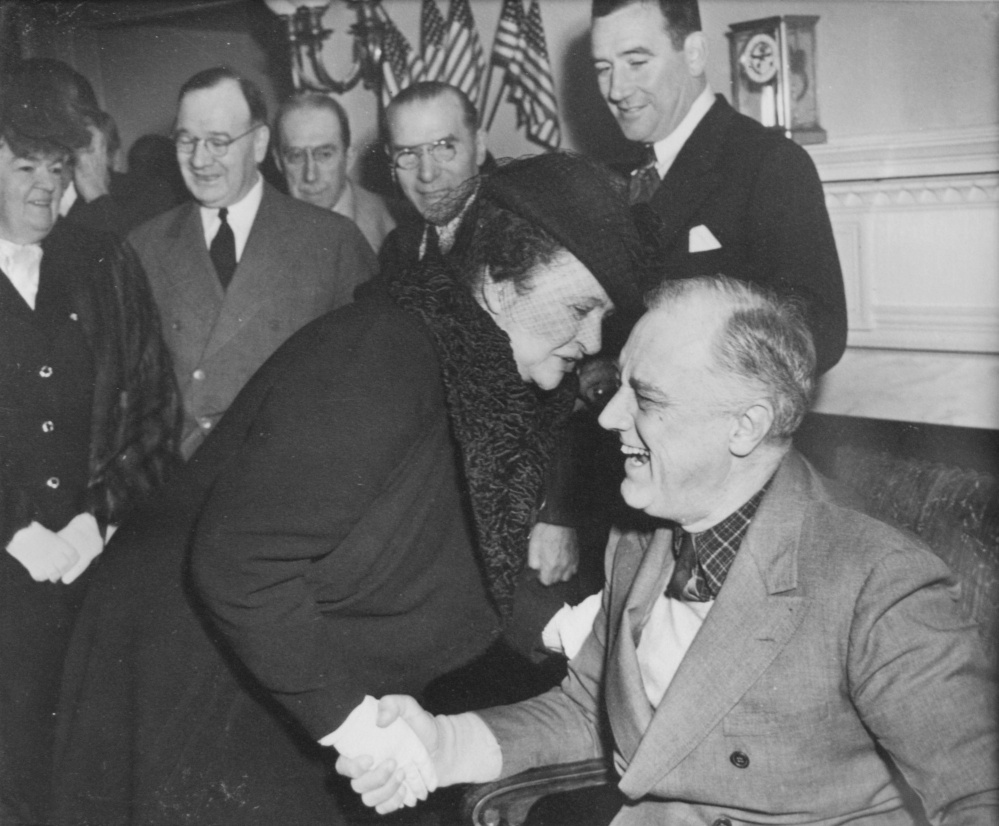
(240, 217)
(22, 264)
(669, 147)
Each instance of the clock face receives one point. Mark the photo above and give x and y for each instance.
(759, 58)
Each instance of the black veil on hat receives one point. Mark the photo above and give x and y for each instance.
(582, 205)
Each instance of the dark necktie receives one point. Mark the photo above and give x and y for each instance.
(223, 250)
(686, 582)
(645, 179)
(433, 250)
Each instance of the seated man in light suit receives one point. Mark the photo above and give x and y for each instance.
(241, 268)
(767, 653)
(313, 152)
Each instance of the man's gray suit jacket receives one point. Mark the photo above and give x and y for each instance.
(834, 635)
(299, 262)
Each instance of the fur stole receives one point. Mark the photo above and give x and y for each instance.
(506, 428)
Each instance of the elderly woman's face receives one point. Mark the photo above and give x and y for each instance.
(553, 320)
(30, 189)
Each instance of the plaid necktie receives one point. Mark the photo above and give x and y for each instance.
(223, 250)
(645, 179)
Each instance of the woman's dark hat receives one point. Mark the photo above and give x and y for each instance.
(582, 205)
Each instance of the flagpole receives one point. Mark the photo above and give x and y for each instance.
(496, 101)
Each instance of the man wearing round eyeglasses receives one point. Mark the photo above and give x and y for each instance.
(435, 147)
(313, 152)
(241, 268)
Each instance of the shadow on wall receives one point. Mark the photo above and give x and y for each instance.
(587, 123)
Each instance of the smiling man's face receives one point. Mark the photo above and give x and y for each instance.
(30, 189)
(433, 186)
(647, 82)
(675, 415)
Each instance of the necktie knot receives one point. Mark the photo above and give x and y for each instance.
(645, 179)
(223, 250)
(687, 581)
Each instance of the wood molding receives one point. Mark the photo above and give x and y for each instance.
(969, 150)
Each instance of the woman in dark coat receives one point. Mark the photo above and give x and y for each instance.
(355, 525)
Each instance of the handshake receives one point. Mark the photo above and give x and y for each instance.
(396, 753)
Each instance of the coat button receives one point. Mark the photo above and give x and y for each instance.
(198, 374)
(45, 372)
(52, 482)
(47, 427)
(74, 317)
(739, 759)
(205, 423)
(722, 821)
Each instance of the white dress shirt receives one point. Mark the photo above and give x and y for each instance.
(22, 264)
(240, 217)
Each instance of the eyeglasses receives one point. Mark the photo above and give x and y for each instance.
(320, 155)
(216, 146)
(408, 157)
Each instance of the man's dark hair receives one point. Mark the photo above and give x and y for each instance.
(683, 17)
(428, 90)
(210, 78)
(313, 100)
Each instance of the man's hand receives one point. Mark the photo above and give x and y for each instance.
(43, 553)
(85, 538)
(92, 172)
(553, 552)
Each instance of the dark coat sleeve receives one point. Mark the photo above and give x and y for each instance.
(791, 246)
(312, 553)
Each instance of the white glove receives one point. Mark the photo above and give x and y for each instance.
(463, 748)
(44, 554)
(568, 629)
(85, 537)
(360, 735)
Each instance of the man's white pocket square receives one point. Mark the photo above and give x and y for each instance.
(701, 240)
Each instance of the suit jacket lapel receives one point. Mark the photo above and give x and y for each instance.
(194, 285)
(754, 617)
(625, 689)
(254, 280)
(695, 173)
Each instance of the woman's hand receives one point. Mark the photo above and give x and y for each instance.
(553, 552)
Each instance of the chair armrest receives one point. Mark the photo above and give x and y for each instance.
(507, 802)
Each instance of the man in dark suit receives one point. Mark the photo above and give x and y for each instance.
(239, 269)
(764, 651)
(436, 149)
(728, 195)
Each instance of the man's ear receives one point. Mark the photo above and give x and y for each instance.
(695, 53)
(261, 137)
(278, 160)
(751, 427)
(480, 147)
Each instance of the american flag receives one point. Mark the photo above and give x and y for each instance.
(540, 110)
(399, 65)
(465, 64)
(432, 35)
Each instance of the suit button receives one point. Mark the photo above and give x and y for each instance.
(722, 821)
(47, 427)
(52, 482)
(45, 372)
(739, 759)
(199, 374)
(205, 423)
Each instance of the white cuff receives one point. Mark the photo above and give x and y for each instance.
(568, 629)
(468, 751)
